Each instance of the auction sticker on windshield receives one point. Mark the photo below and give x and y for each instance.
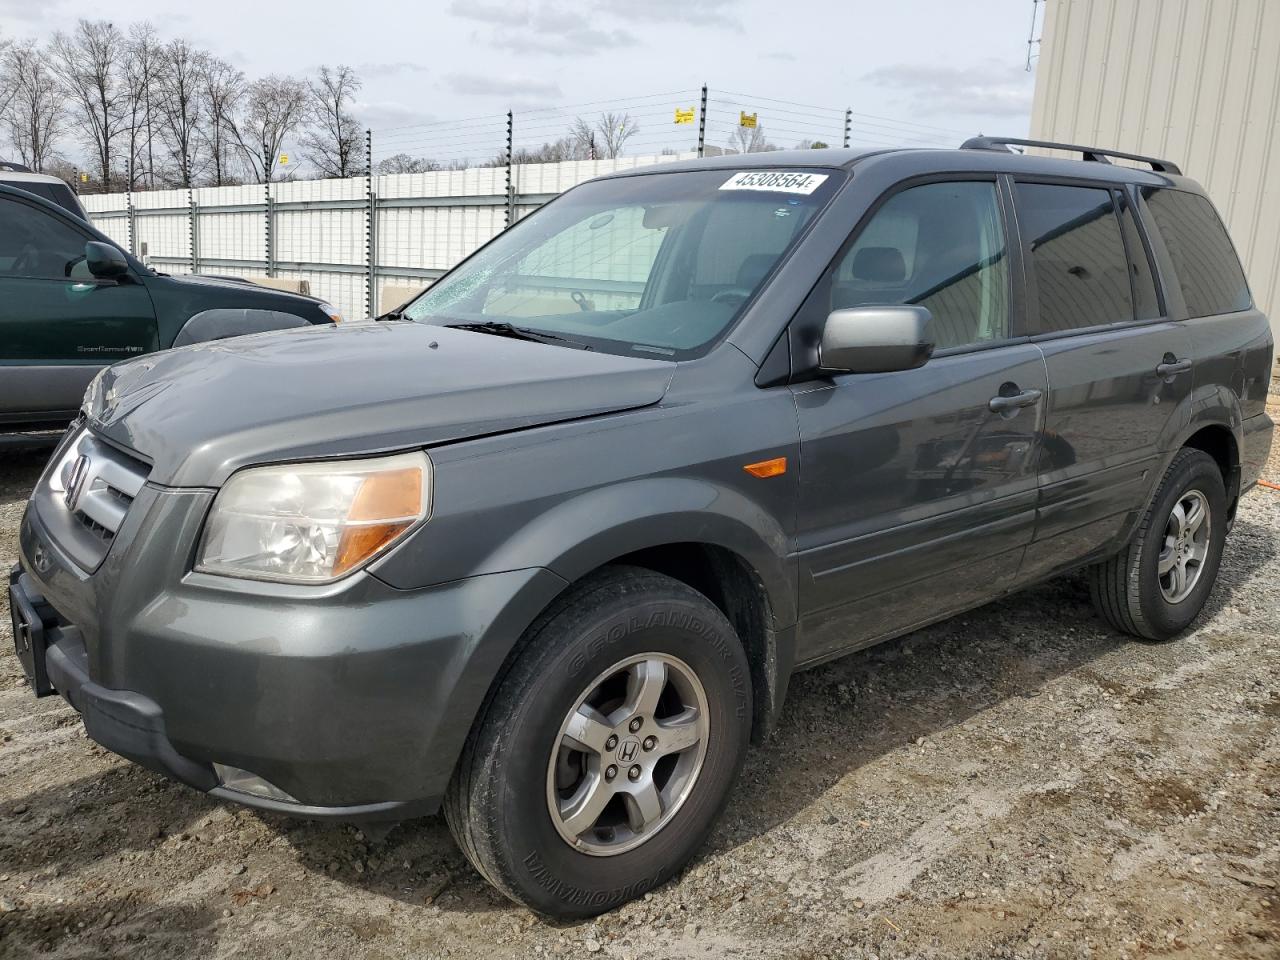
(777, 181)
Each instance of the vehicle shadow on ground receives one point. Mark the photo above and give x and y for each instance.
(838, 717)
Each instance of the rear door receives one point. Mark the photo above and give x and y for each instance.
(58, 325)
(918, 492)
(1120, 371)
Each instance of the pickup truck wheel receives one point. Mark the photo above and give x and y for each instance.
(607, 750)
(1158, 584)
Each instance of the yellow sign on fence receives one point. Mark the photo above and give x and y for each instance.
(685, 115)
(746, 119)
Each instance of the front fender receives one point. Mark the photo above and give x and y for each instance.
(579, 535)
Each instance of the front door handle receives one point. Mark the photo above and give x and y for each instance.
(1171, 368)
(1003, 404)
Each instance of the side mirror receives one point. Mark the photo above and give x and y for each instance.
(876, 339)
(104, 261)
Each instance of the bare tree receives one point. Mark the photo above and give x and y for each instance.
(222, 86)
(583, 135)
(333, 143)
(405, 163)
(181, 106)
(33, 116)
(141, 70)
(273, 109)
(88, 62)
(553, 151)
(615, 130)
(603, 139)
(6, 82)
(749, 140)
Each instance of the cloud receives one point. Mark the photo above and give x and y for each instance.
(718, 13)
(503, 14)
(383, 115)
(24, 10)
(376, 71)
(481, 85)
(576, 41)
(780, 55)
(991, 89)
(542, 28)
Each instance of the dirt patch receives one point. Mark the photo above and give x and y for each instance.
(1020, 782)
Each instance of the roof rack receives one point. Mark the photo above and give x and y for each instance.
(8, 166)
(1095, 154)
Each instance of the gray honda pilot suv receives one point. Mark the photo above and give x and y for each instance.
(544, 547)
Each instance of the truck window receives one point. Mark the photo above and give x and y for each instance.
(1209, 272)
(1076, 250)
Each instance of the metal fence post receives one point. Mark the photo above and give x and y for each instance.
(133, 226)
(371, 221)
(128, 208)
(269, 230)
(511, 186)
(193, 230)
(848, 125)
(702, 122)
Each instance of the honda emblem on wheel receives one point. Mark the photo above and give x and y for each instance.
(627, 752)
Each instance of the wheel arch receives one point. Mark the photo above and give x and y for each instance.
(1219, 441)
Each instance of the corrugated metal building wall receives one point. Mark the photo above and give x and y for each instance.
(1195, 81)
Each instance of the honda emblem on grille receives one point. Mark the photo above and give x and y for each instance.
(75, 482)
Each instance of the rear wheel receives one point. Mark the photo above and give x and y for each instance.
(1159, 583)
(608, 748)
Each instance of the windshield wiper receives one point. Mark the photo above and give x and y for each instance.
(500, 328)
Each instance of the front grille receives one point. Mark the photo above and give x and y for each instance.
(92, 485)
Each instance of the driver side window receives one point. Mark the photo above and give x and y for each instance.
(35, 245)
(938, 245)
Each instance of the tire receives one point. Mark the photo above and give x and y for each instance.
(507, 802)
(1129, 590)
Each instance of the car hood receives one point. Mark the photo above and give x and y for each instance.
(240, 286)
(201, 412)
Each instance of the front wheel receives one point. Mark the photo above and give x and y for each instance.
(1159, 583)
(607, 750)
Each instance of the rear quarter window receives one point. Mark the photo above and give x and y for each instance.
(1209, 272)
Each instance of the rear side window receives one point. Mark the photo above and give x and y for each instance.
(1209, 272)
(1077, 252)
(1146, 303)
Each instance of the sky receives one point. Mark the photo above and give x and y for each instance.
(439, 75)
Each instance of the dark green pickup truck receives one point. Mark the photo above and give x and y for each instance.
(72, 302)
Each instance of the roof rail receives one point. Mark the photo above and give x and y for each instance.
(1095, 154)
(8, 166)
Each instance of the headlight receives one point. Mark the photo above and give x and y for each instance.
(334, 313)
(313, 522)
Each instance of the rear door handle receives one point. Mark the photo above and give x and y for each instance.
(1172, 369)
(1003, 404)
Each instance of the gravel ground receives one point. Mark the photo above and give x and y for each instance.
(1018, 782)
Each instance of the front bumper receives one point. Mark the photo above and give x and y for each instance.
(355, 698)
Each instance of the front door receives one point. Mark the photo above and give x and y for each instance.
(1119, 370)
(58, 325)
(918, 488)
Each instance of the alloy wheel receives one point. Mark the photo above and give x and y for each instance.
(1185, 546)
(628, 754)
